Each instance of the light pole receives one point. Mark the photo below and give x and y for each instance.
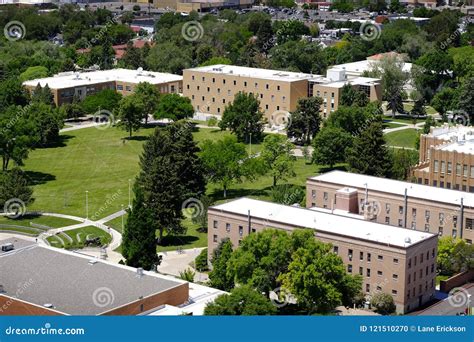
(122, 219)
(87, 204)
(129, 193)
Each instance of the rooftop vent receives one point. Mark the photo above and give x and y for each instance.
(2, 290)
(92, 262)
(139, 272)
(77, 76)
(48, 305)
(139, 71)
(407, 240)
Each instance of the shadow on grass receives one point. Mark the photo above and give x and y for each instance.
(36, 177)
(61, 142)
(27, 216)
(177, 240)
(218, 194)
(137, 138)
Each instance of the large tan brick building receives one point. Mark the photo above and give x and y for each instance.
(397, 261)
(403, 204)
(67, 86)
(212, 88)
(447, 158)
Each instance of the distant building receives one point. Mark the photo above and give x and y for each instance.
(397, 261)
(212, 88)
(42, 280)
(187, 6)
(447, 158)
(69, 85)
(28, 2)
(407, 205)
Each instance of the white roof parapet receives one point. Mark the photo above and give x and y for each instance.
(323, 222)
(396, 187)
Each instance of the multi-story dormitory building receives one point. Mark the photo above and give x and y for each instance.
(447, 158)
(408, 205)
(397, 261)
(69, 85)
(212, 88)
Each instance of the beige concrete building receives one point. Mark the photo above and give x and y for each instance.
(212, 88)
(67, 86)
(187, 6)
(447, 158)
(403, 204)
(397, 261)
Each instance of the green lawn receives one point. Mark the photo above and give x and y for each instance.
(48, 221)
(117, 223)
(102, 162)
(78, 237)
(403, 138)
(392, 124)
(194, 238)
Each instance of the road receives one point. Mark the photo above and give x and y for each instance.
(451, 305)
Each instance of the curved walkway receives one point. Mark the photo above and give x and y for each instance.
(116, 236)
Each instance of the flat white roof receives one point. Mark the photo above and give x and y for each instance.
(396, 187)
(71, 79)
(368, 81)
(325, 222)
(268, 74)
(357, 68)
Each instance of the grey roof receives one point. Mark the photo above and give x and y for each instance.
(44, 275)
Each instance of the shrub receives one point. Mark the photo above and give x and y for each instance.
(288, 194)
(201, 261)
(383, 303)
(212, 122)
(188, 275)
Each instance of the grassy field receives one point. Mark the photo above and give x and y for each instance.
(78, 237)
(49, 221)
(403, 138)
(117, 223)
(102, 162)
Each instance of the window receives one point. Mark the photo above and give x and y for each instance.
(278, 88)
(409, 263)
(361, 270)
(266, 86)
(464, 170)
(369, 257)
(214, 224)
(235, 82)
(203, 79)
(379, 288)
(443, 167)
(436, 166)
(441, 218)
(455, 233)
(227, 227)
(208, 89)
(458, 169)
(241, 230)
(387, 208)
(455, 220)
(413, 212)
(394, 292)
(336, 249)
(313, 193)
(440, 231)
(427, 227)
(409, 278)
(472, 171)
(213, 80)
(413, 225)
(387, 220)
(427, 215)
(367, 287)
(368, 272)
(379, 273)
(349, 254)
(119, 87)
(214, 238)
(380, 257)
(400, 209)
(408, 294)
(469, 222)
(361, 256)
(400, 222)
(192, 77)
(349, 268)
(395, 260)
(450, 168)
(416, 259)
(421, 258)
(325, 196)
(245, 83)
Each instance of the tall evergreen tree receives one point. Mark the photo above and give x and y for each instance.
(14, 186)
(139, 237)
(219, 277)
(171, 172)
(369, 155)
(305, 121)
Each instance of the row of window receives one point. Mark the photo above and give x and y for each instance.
(256, 84)
(447, 167)
(368, 272)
